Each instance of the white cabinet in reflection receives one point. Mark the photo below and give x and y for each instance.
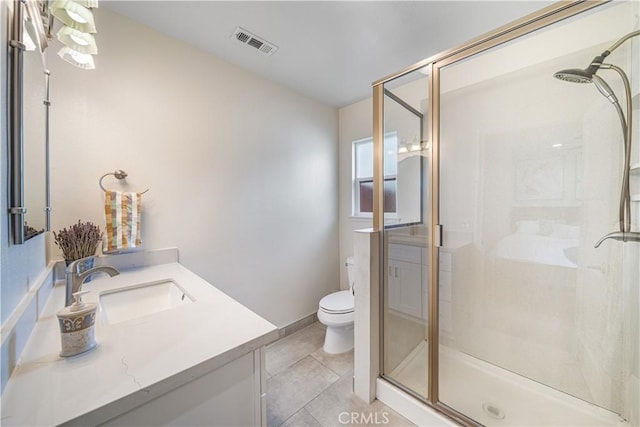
(408, 283)
(407, 288)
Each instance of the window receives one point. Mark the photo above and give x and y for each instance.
(363, 175)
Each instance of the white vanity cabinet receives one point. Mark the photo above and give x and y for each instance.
(232, 395)
(407, 279)
(196, 364)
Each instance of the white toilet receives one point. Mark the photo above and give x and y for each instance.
(336, 312)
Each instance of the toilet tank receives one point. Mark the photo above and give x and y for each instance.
(350, 273)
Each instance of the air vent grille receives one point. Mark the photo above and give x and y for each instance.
(243, 37)
(254, 41)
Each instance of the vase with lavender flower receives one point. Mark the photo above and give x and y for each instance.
(79, 241)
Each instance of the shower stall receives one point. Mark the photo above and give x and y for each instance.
(501, 303)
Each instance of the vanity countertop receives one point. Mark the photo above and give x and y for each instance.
(452, 241)
(135, 361)
(409, 239)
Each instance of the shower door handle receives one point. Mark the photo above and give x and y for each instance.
(438, 235)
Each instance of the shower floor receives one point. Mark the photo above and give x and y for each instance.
(495, 396)
(412, 371)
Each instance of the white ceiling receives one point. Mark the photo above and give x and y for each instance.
(329, 50)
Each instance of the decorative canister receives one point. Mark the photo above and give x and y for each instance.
(77, 323)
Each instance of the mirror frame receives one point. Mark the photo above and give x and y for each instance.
(17, 210)
(16, 184)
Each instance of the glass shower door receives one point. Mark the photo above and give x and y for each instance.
(539, 324)
(405, 283)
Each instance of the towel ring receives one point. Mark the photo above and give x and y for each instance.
(119, 174)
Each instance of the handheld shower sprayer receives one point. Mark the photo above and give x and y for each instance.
(604, 88)
(588, 75)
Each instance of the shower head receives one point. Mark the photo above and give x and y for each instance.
(588, 75)
(576, 75)
(573, 75)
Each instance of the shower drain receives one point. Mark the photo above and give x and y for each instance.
(493, 411)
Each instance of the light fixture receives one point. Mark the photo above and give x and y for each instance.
(415, 145)
(77, 40)
(77, 32)
(79, 59)
(74, 15)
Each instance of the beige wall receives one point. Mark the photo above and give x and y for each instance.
(242, 172)
(356, 122)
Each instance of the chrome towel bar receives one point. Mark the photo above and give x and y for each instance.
(119, 174)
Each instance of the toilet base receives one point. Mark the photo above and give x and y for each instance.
(338, 339)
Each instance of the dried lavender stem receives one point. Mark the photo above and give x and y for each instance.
(79, 241)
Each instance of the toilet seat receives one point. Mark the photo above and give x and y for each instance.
(337, 321)
(341, 302)
(336, 311)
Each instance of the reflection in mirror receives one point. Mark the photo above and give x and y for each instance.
(405, 122)
(34, 142)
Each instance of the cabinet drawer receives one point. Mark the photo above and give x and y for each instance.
(405, 253)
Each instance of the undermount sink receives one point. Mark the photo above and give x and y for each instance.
(131, 302)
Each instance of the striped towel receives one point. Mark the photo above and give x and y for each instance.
(122, 214)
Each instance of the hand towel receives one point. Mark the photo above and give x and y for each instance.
(122, 215)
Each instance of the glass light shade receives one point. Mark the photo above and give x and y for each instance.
(73, 15)
(34, 27)
(78, 59)
(93, 4)
(77, 40)
(28, 35)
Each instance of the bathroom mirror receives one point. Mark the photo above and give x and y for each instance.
(28, 123)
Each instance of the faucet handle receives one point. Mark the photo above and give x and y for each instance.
(73, 266)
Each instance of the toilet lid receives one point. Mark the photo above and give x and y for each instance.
(337, 302)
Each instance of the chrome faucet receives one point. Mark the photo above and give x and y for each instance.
(75, 279)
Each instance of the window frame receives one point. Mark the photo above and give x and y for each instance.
(356, 181)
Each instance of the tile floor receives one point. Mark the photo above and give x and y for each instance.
(308, 387)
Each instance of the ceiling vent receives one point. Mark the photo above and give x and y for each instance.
(252, 40)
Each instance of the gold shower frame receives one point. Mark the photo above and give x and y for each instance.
(529, 23)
